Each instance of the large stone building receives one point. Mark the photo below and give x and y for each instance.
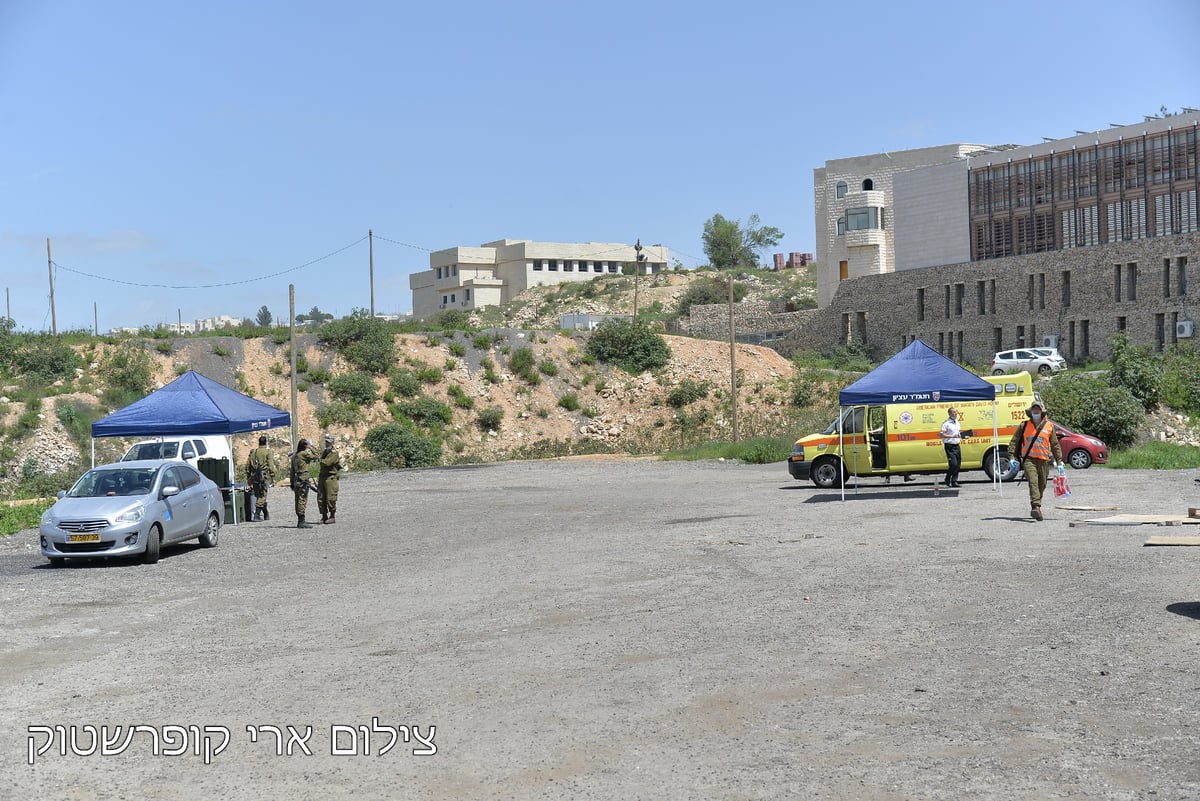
(978, 248)
(493, 273)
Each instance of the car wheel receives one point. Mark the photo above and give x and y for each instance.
(153, 545)
(1044, 369)
(997, 371)
(209, 538)
(56, 561)
(1080, 459)
(827, 472)
(1007, 471)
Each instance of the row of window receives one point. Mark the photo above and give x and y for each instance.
(1174, 283)
(453, 297)
(554, 265)
(1123, 220)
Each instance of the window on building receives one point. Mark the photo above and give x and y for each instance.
(1131, 282)
(960, 290)
(981, 298)
(997, 339)
(569, 266)
(1071, 339)
(1116, 283)
(597, 267)
(612, 266)
(841, 189)
(1066, 289)
(946, 295)
(1160, 331)
(1166, 278)
(921, 304)
(439, 273)
(1084, 339)
(1041, 290)
(1029, 292)
(868, 185)
(1121, 323)
(1181, 269)
(843, 270)
(537, 265)
(466, 294)
(841, 226)
(553, 265)
(1021, 335)
(452, 297)
(862, 219)
(454, 269)
(992, 297)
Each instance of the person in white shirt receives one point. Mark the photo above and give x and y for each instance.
(951, 437)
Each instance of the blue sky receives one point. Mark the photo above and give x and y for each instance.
(222, 150)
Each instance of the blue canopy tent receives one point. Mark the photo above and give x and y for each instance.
(917, 374)
(191, 404)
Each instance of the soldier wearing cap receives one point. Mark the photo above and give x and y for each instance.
(327, 481)
(1035, 443)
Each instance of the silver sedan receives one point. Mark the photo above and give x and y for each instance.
(132, 508)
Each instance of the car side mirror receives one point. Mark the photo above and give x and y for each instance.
(60, 495)
(170, 490)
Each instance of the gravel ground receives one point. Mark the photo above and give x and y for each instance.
(624, 629)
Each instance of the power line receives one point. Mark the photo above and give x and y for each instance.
(213, 286)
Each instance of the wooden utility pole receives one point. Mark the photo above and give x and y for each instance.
(95, 320)
(637, 268)
(7, 305)
(50, 269)
(733, 394)
(371, 260)
(292, 338)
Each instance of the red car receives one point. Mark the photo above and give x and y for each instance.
(1080, 450)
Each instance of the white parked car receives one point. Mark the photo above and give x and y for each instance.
(1028, 359)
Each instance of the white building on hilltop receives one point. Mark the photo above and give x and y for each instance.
(494, 273)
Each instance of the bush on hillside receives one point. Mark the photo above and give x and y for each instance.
(397, 445)
(632, 346)
(1136, 369)
(355, 387)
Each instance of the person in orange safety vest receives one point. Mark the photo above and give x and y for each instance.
(1035, 445)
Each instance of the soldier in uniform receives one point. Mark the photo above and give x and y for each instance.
(260, 472)
(327, 481)
(301, 485)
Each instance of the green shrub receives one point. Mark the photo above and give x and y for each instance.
(688, 391)
(279, 337)
(569, 402)
(451, 364)
(482, 342)
(632, 346)
(276, 369)
(433, 340)
(317, 375)
(219, 350)
(548, 367)
(127, 372)
(521, 360)
(428, 374)
(457, 348)
(364, 341)
(44, 359)
(489, 419)
(355, 387)
(709, 291)
(340, 412)
(1136, 369)
(404, 382)
(301, 363)
(460, 397)
(423, 411)
(1181, 378)
(1091, 405)
(164, 347)
(397, 445)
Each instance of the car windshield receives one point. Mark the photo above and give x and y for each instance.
(152, 450)
(101, 483)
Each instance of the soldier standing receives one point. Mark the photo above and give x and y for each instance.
(260, 472)
(301, 486)
(327, 481)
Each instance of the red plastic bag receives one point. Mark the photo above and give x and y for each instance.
(1061, 488)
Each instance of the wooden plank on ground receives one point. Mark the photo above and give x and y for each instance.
(1088, 508)
(1193, 511)
(1138, 520)
(1173, 541)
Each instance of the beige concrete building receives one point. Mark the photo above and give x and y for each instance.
(495, 272)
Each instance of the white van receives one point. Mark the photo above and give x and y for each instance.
(188, 449)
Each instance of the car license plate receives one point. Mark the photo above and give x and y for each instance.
(83, 538)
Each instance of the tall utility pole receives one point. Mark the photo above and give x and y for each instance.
(95, 320)
(292, 339)
(637, 268)
(371, 260)
(50, 269)
(733, 395)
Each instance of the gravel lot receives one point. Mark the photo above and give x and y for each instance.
(624, 629)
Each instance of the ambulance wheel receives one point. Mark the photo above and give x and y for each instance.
(1007, 472)
(827, 472)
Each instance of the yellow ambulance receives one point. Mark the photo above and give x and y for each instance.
(903, 439)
